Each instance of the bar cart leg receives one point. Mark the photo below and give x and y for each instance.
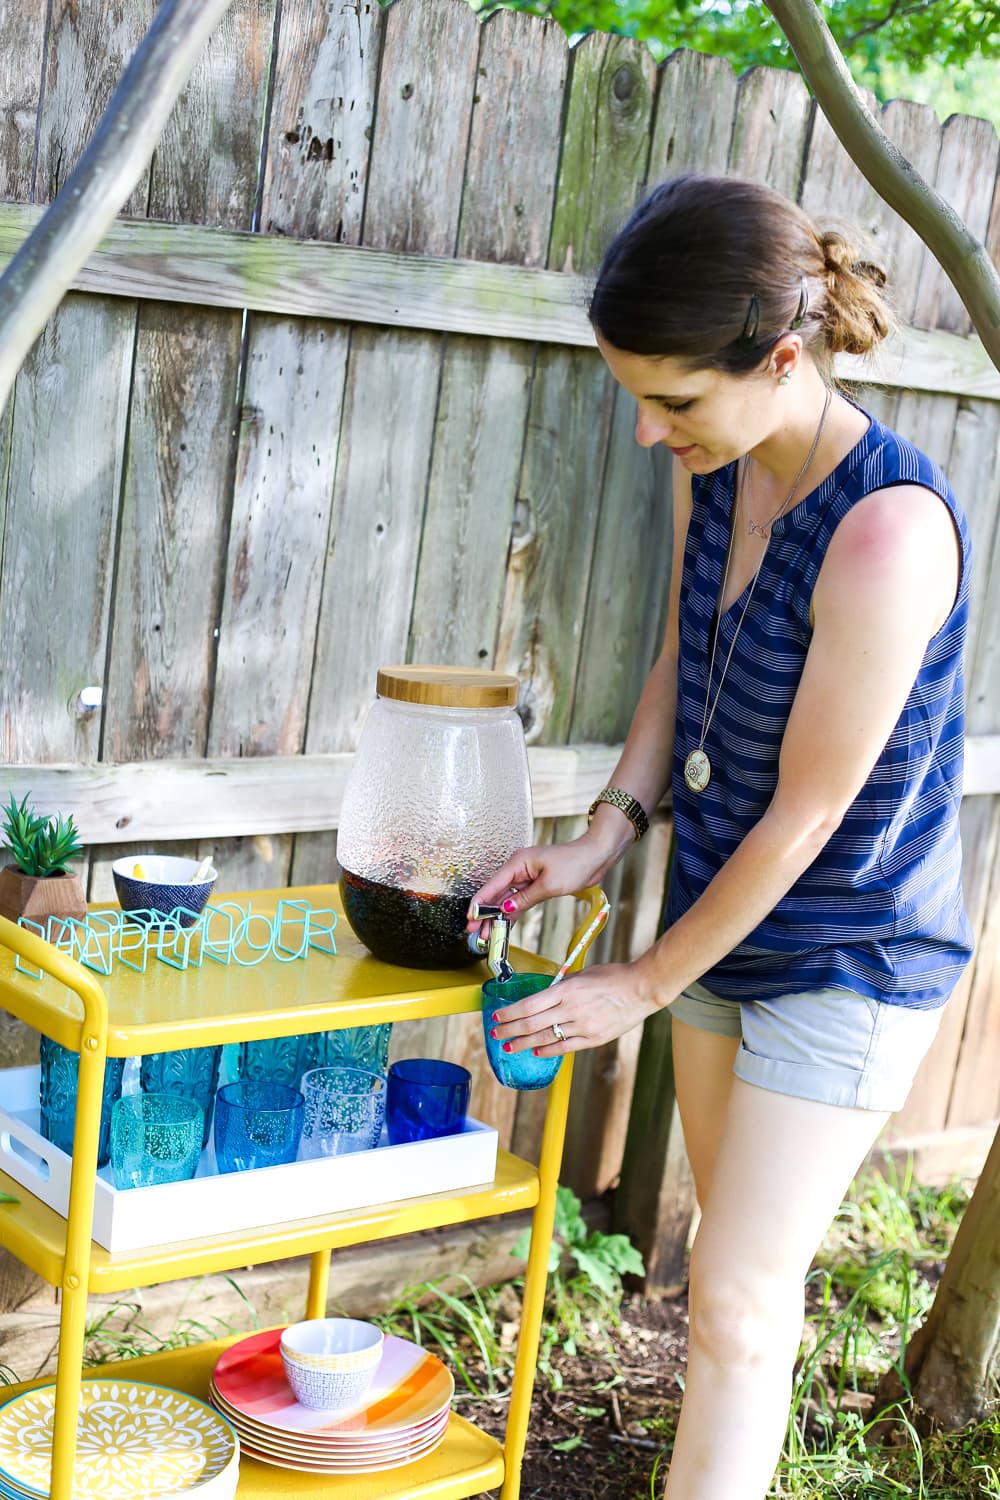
(76, 1264)
(319, 1281)
(535, 1278)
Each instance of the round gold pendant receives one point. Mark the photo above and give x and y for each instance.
(697, 770)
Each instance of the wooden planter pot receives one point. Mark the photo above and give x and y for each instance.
(40, 896)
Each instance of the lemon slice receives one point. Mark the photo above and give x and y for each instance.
(138, 872)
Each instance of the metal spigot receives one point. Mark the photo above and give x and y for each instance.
(494, 940)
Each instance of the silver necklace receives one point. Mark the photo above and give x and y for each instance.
(697, 766)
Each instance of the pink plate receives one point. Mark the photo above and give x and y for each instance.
(289, 1452)
(361, 1444)
(410, 1387)
(348, 1466)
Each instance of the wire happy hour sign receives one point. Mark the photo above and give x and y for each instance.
(226, 933)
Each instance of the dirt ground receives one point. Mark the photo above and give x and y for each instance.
(608, 1456)
(599, 1436)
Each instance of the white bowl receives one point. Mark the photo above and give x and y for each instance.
(337, 1344)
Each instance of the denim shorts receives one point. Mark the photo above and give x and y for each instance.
(834, 1046)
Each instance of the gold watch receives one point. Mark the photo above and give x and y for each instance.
(625, 803)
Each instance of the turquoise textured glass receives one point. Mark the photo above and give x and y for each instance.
(257, 1125)
(516, 1070)
(282, 1059)
(364, 1047)
(190, 1072)
(155, 1138)
(59, 1070)
(286, 1058)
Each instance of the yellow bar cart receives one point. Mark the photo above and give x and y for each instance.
(127, 1014)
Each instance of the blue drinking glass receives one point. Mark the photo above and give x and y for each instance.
(155, 1138)
(59, 1073)
(257, 1125)
(190, 1072)
(516, 1070)
(425, 1098)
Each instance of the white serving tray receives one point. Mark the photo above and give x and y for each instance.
(212, 1203)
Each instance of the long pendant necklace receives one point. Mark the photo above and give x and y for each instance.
(697, 766)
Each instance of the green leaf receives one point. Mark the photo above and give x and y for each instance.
(8, 1198)
(618, 1251)
(597, 1271)
(590, 1411)
(568, 1444)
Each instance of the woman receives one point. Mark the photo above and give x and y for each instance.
(806, 709)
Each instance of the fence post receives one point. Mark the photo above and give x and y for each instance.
(655, 1199)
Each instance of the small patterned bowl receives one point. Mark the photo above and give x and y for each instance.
(165, 883)
(330, 1362)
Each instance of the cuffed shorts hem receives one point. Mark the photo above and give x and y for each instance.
(833, 1046)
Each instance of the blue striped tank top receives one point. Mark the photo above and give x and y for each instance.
(880, 910)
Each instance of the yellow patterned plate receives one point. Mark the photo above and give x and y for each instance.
(132, 1439)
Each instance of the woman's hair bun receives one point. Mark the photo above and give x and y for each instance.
(856, 318)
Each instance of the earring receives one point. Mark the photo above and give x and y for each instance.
(784, 379)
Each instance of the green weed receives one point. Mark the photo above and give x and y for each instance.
(118, 1331)
(580, 1306)
(428, 1314)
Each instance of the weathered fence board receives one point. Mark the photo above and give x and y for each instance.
(323, 105)
(687, 137)
(969, 155)
(601, 179)
(212, 268)
(22, 47)
(771, 129)
(67, 444)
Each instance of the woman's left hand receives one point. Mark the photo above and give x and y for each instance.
(590, 1008)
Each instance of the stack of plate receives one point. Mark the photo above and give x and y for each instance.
(132, 1439)
(401, 1417)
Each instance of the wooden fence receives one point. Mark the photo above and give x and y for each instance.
(327, 398)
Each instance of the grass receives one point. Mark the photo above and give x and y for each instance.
(117, 1331)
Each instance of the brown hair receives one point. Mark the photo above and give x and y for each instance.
(713, 270)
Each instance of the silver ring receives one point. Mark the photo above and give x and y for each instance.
(558, 1032)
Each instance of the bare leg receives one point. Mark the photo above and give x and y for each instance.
(703, 1081)
(782, 1168)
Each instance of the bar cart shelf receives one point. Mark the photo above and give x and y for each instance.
(127, 1014)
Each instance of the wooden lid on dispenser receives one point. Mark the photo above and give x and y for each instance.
(448, 687)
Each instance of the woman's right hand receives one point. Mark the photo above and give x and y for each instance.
(537, 874)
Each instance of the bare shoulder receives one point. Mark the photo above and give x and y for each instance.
(896, 548)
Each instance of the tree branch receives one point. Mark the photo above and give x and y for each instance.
(962, 256)
(43, 269)
(896, 9)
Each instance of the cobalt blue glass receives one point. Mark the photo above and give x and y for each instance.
(58, 1080)
(515, 1070)
(426, 1098)
(190, 1072)
(257, 1125)
(155, 1138)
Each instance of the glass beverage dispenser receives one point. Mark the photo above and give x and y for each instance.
(437, 799)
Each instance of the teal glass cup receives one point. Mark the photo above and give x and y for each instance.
(191, 1072)
(515, 1070)
(155, 1138)
(59, 1078)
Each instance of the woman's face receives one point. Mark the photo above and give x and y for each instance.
(706, 418)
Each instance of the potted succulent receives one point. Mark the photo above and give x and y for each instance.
(37, 884)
